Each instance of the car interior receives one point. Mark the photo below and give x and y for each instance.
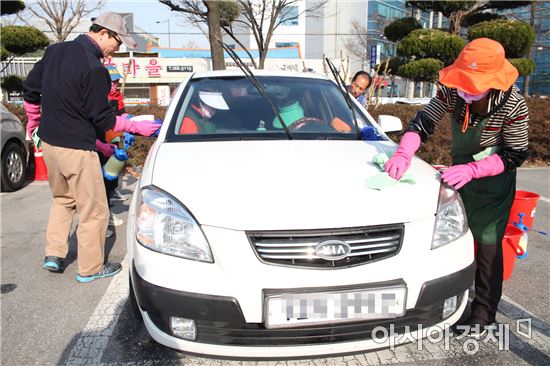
(302, 106)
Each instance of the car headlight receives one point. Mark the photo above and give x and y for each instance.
(164, 225)
(450, 220)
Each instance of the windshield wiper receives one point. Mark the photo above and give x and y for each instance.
(345, 93)
(250, 76)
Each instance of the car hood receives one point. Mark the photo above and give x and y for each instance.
(283, 184)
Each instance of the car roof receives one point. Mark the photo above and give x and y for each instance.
(232, 73)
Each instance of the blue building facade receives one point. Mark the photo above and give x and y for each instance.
(381, 13)
(539, 83)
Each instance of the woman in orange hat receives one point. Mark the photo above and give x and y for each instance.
(489, 141)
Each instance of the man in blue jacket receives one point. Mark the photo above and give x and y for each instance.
(359, 85)
(66, 94)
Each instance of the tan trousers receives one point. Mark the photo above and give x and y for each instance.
(76, 183)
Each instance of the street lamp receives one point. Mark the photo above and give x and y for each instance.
(166, 21)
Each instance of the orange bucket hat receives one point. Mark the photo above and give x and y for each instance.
(480, 66)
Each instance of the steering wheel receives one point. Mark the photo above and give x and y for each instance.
(305, 122)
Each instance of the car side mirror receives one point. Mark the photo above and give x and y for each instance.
(389, 123)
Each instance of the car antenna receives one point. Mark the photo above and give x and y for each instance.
(345, 93)
(250, 76)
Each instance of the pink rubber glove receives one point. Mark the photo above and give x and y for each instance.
(33, 116)
(106, 149)
(401, 160)
(144, 127)
(458, 175)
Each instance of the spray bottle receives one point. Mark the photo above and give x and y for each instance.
(524, 237)
(114, 165)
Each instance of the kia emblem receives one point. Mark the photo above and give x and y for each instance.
(332, 250)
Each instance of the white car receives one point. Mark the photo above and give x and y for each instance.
(247, 240)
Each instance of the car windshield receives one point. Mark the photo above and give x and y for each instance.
(232, 108)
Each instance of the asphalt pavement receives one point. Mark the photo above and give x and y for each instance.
(49, 319)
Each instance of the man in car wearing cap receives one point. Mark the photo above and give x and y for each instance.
(489, 141)
(66, 94)
(198, 115)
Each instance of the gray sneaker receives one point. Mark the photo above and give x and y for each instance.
(108, 270)
(54, 264)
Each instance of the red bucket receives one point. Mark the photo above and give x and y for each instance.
(525, 203)
(40, 170)
(510, 249)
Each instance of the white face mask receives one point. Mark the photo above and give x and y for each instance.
(469, 98)
(206, 112)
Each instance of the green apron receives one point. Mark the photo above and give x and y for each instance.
(487, 200)
(204, 125)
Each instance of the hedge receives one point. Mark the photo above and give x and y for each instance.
(515, 36)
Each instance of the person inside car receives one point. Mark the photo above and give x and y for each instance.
(200, 112)
(293, 115)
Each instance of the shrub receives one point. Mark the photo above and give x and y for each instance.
(475, 18)
(421, 70)
(229, 11)
(515, 36)
(393, 66)
(12, 83)
(525, 66)
(142, 145)
(5, 54)
(20, 40)
(12, 7)
(431, 43)
(400, 28)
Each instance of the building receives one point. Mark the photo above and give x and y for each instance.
(325, 31)
(539, 83)
(318, 33)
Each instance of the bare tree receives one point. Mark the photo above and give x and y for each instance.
(209, 11)
(61, 16)
(357, 44)
(261, 18)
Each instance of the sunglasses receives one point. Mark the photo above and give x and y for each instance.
(118, 40)
(115, 36)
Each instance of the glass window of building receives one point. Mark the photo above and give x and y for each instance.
(289, 16)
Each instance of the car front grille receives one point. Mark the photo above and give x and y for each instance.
(298, 248)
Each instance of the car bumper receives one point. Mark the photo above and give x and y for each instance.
(222, 329)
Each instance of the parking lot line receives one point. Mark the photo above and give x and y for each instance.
(89, 347)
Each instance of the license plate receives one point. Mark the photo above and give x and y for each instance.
(298, 309)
